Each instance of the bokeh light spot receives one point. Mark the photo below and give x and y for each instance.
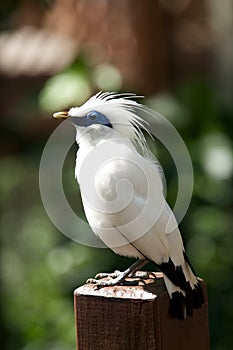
(107, 77)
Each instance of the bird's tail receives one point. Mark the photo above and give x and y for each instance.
(184, 289)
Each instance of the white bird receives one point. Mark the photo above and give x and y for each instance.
(123, 196)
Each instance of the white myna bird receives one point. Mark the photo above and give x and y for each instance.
(123, 196)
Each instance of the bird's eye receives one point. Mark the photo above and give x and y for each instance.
(92, 116)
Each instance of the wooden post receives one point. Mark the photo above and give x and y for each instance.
(136, 318)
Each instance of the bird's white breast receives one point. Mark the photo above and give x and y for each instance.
(116, 184)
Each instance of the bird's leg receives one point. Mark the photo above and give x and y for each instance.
(134, 270)
(134, 273)
(117, 276)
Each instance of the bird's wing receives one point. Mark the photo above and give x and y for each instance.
(147, 233)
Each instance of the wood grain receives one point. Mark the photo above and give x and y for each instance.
(136, 317)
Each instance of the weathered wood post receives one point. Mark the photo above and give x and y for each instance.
(136, 318)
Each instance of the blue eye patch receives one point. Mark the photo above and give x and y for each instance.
(93, 117)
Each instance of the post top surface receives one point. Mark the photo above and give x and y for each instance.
(147, 289)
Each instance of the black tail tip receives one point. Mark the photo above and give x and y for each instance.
(198, 296)
(177, 305)
(180, 306)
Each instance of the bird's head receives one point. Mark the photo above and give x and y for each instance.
(108, 111)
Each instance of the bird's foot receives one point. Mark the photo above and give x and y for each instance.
(111, 279)
(139, 277)
(117, 277)
(107, 279)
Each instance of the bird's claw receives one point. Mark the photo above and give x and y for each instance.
(112, 279)
(92, 281)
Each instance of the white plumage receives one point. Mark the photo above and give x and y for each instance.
(123, 197)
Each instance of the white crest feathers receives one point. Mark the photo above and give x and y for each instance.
(120, 109)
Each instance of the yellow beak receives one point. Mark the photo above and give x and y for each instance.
(61, 115)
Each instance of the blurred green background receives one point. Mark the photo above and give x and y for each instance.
(55, 54)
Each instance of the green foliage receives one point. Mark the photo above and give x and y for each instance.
(207, 227)
(75, 85)
(39, 267)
